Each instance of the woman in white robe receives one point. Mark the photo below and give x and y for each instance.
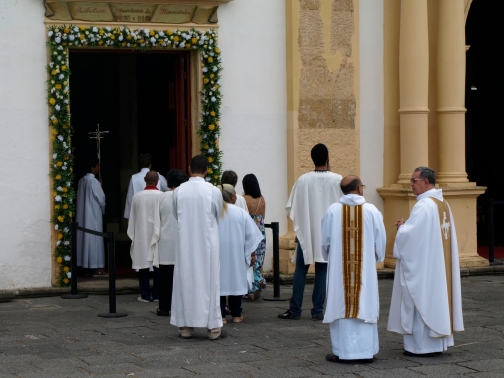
(239, 238)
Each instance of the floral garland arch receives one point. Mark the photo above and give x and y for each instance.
(61, 38)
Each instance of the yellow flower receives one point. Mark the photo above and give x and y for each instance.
(217, 50)
(176, 38)
(59, 164)
(82, 28)
(65, 189)
(64, 44)
(58, 177)
(100, 43)
(54, 72)
(206, 147)
(71, 169)
(63, 68)
(194, 40)
(81, 37)
(101, 32)
(52, 101)
(216, 177)
(65, 206)
(66, 30)
(134, 45)
(128, 37)
(212, 113)
(57, 206)
(169, 32)
(210, 59)
(54, 132)
(70, 214)
(210, 170)
(55, 121)
(123, 44)
(141, 41)
(59, 260)
(58, 86)
(206, 80)
(60, 236)
(212, 76)
(211, 127)
(66, 281)
(54, 194)
(112, 37)
(66, 269)
(61, 219)
(216, 86)
(210, 159)
(151, 33)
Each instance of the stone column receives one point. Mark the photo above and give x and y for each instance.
(413, 87)
(451, 92)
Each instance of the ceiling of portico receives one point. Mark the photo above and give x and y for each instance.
(135, 11)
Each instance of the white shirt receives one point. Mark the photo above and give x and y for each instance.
(137, 184)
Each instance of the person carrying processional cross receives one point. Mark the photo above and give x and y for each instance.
(353, 241)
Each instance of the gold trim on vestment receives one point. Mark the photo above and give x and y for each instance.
(445, 228)
(352, 241)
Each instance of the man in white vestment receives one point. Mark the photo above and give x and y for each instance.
(426, 305)
(231, 178)
(137, 182)
(310, 197)
(143, 230)
(353, 241)
(168, 241)
(197, 206)
(89, 214)
(239, 238)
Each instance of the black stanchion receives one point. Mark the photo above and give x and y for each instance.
(491, 253)
(112, 284)
(275, 228)
(73, 281)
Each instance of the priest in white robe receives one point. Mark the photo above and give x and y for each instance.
(231, 178)
(353, 241)
(309, 200)
(426, 305)
(137, 182)
(143, 230)
(89, 214)
(197, 206)
(239, 238)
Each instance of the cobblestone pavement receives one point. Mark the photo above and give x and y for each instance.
(53, 337)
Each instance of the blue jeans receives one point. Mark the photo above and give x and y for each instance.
(299, 281)
(143, 278)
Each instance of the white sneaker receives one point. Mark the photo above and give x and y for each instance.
(140, 299)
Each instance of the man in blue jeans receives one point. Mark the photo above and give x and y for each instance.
(311, 196)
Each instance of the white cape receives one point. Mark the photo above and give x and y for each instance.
(89, 212)
(238, 237)
(144, 228)
(420, 279)
(196, 293)
(309, 200)
(137, 184)
(169, 236)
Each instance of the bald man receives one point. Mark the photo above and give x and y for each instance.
(143, 230)
(353, 241)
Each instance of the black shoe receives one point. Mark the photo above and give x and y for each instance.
(332, 358)
(222, 335)
(433, 354)
(289, 315)
(315, 318)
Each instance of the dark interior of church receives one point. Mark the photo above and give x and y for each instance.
(484, 129)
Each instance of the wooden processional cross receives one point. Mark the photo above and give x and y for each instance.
(97, 134)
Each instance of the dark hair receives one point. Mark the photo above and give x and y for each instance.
(93, 162)
(151, 178)
(199, 164)
(350, 187)
(229, 177)
(144, 160)
(251, 186)
(319, 154)
(175, 178)
(427, 173)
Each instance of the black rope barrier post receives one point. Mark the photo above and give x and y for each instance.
(112, 284)
(73, 280)
(275, 228)
(491, 246)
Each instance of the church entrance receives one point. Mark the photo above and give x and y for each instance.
(484, 130)
(143, 100)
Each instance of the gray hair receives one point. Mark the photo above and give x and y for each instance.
(227, 191)
(427, 173)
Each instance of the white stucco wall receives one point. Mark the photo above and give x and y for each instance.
(254, 124)
(25, 250)
(371, 99)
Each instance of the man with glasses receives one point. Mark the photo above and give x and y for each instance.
(353, 241)
(426, 304)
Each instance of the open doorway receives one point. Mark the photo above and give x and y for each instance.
(143, 100)
(484, 126)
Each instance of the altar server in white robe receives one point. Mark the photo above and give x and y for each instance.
(197, 206)
(239, 238)
(426, 305)
(137, 182)
(89, 214)
(168, 241)
(231, 178)
(353, 241)
(309, 200)
(143, 230)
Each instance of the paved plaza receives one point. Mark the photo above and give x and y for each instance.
(53, 337)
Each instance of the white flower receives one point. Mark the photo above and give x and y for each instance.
(56, 227)
(215, 166)
(53, 90)
(76, 29)
(210, 150)
(108, 28)
(69, 151)
(208, 179)
(64, 144)
(214, 69)
(64, 167)
(161, 34)
(64, 36)
(58, 242)
(66, 258)
(182, 44)
(57, 39)
(60, 138)
(58, 57)
(66, 101)
(204, 136)
(120, 38)
(69, 183)
(213, 99)
(210, 42)
(57, 198)
(93, 39)
(153, 40)
(146, 31)
(65, 229)
(71, 37)
(205, 69)
(51, 65)
(69, 274)
(55, 156)
(95, 29)
(59, 188)
(210, 93)
(50, 33)
(64, 163)
(57, 107)
(61, 77)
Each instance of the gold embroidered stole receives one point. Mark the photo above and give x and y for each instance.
(445, 224)
(352, 239)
